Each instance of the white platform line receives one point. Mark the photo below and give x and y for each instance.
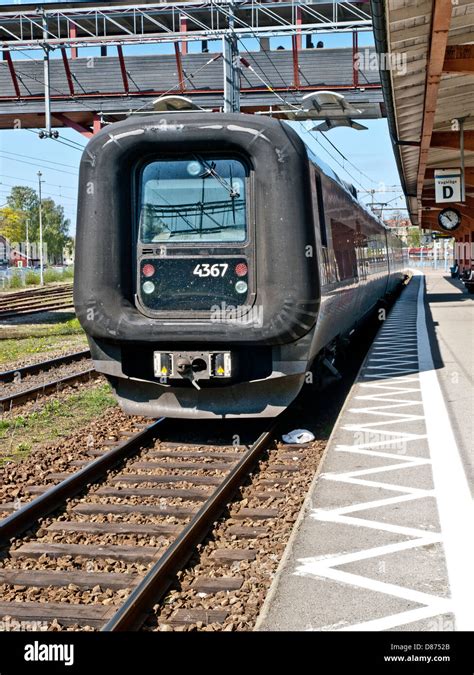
(329, 517)
(395, 404)
(383, 413)
(401, 619)
(390, 443)
(369, 584)
(455, 504)
(377, 503)
(383, 455)
(375, 484)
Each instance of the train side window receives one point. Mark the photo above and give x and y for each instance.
(322, 219)
(343, 241)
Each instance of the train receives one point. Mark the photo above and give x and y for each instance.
(219, 262)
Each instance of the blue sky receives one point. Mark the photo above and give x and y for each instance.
(23, 153)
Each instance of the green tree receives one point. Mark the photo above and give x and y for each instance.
(414, 237)
(55, 229)
(23, 207)
(23, 198)
(12, 224)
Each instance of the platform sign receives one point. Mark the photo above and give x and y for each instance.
(425, 239)
(448, 183)
(440, 235)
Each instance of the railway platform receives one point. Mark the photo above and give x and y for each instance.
(384, 540)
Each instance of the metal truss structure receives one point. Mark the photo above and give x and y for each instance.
(251, 83)
(185, 20)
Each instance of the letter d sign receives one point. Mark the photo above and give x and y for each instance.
(447, 185)
(447, 193)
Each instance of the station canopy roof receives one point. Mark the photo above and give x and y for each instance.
(426, 55)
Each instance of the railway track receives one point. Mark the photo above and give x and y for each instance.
(20, 377)
(107, 541)
(35, 300)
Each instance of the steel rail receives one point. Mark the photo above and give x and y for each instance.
(34, 300)
(12, 400)
(155, 584)
(35, 368)
(35, 292)
(26, 517)
(10, 314)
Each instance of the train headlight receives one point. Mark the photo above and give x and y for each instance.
(148, 287)
(194, 168)
(241, 287)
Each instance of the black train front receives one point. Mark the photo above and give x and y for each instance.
(206, 276)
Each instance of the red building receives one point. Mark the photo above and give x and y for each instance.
(11, 256)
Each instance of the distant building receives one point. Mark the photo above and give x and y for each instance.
(4, 250)
(399, 226)
(68, 254)
(11, 256)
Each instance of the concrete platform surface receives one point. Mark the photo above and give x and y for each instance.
(385, 538)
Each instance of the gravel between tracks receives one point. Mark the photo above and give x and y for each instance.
(16, 476)
(243, 605)
(286, 494)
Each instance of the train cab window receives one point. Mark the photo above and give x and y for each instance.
(196, 199)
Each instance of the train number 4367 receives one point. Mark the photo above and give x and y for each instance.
(208, 270)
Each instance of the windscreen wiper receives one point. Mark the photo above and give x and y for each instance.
(211, 171)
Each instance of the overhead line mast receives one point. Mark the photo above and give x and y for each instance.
(232, 70)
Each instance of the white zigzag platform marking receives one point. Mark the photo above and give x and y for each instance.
(391, 359)
(400, 360)
(375, 409)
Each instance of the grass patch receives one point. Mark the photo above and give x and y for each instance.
(68, 274)
(32, 278)
(58, 418)
(16, 281)
(51, 276)
(37, 338)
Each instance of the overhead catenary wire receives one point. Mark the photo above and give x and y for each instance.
(348, 160)
(54, 194)
(42, 82)
(36, 164)
(265, 81)
(297, 106)
(62, 141)
(356, 180)
(30, 180)
(39, 159)
(273, 65)
(177, 86)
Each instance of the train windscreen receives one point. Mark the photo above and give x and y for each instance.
(196, 199)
